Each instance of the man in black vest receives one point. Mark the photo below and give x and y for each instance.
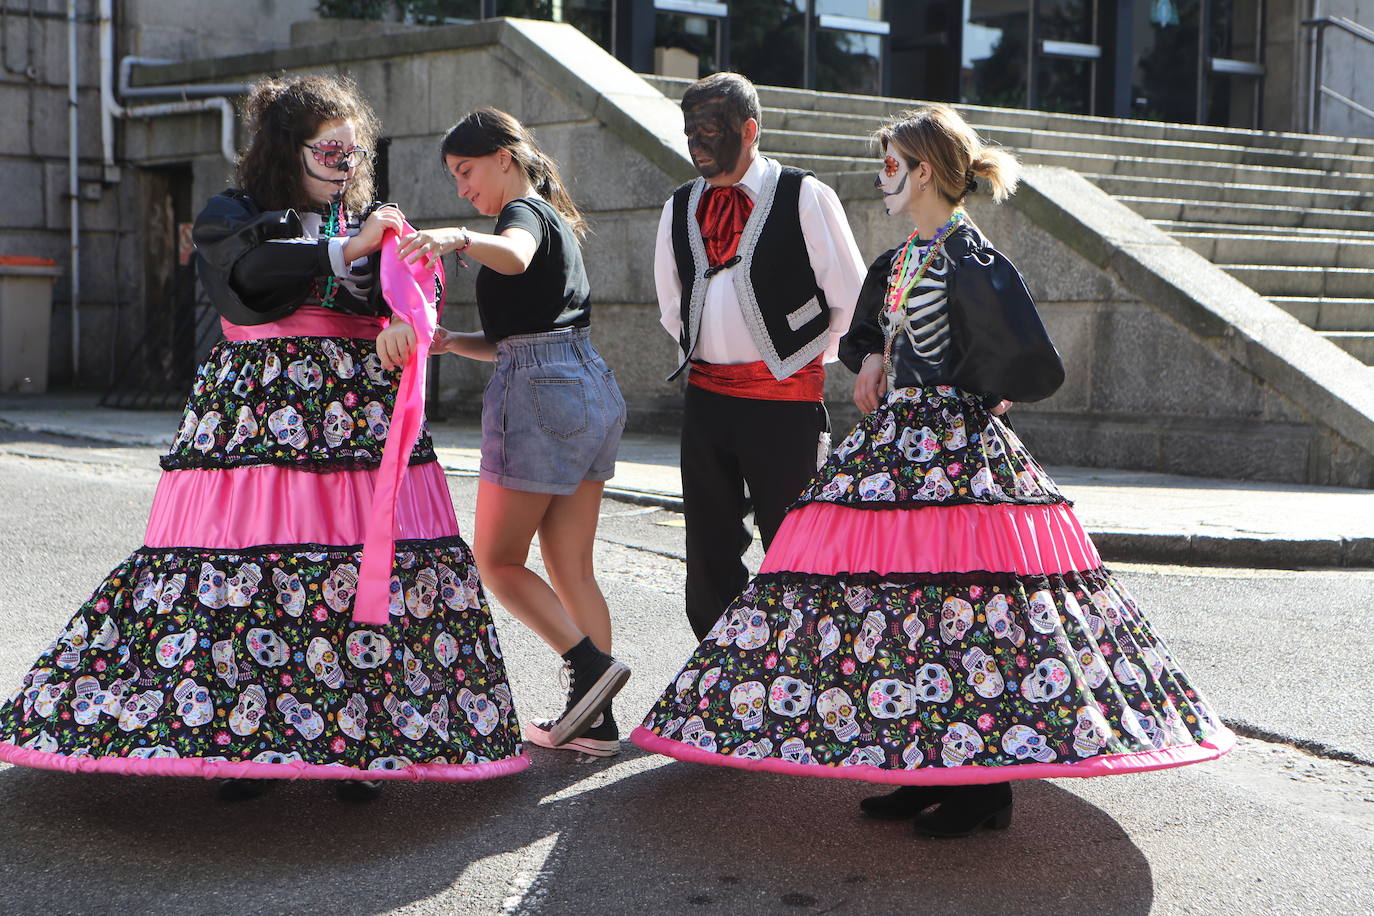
(757, 274)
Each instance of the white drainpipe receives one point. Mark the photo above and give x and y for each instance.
(110, 108)
(74, 186)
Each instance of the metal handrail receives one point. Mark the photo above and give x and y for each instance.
(1319, 88)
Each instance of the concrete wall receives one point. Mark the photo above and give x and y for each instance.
(34, 151)
(1348, 63)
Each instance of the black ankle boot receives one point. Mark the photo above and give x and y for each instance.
(966, 810)
(905, 802)
(237, 790)
(358, 790)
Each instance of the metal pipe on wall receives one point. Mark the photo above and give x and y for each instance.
(111, 108)
(74, 185)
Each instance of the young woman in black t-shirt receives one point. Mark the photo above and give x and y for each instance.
(552, 415)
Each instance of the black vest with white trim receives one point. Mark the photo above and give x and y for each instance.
(783, 306)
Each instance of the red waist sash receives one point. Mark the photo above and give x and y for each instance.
(754, 380)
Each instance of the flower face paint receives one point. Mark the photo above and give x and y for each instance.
(712, 140)
(892, 182)
(335, 141)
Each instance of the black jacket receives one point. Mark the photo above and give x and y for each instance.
(257, 265)
(998, 348)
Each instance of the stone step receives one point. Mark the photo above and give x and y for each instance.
(1304, 282)
(1020, 139)
(1193, 210)
(1275, 197)
(1359, 344)
(1293, 233)
(878, 108)
(842, 172)
(1235, 247)
(1329, 314)
(795, 143)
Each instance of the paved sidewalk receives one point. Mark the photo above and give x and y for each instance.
(1132, 515)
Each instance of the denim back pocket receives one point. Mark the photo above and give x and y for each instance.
(560, 404)
(617, 399)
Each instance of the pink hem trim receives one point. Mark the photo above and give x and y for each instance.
(829, 539)
(420, 772)
(1106, 765)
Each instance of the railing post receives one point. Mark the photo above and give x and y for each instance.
(1318, 79)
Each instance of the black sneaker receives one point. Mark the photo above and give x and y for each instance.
(358, 790)
(601, 739)
(590, 690)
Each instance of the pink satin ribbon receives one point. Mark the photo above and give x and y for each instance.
(307, 321)
(410, 291)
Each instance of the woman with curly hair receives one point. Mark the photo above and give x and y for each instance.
(228, 645)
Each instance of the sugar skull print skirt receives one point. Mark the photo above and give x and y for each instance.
(931, 612)
(225, 646)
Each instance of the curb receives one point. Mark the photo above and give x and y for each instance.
(1118, 546)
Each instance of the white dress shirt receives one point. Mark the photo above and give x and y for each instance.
(723, 336)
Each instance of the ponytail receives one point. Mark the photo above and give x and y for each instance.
(958, 157)
(485, 130)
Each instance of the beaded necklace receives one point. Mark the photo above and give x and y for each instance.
(903, 284)
(331, 230)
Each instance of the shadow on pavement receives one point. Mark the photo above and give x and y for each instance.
(638, 835)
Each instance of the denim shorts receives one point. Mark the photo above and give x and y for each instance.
(552, 414)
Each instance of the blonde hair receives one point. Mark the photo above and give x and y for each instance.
(939, 135)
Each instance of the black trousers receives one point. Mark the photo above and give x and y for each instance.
(730, 445)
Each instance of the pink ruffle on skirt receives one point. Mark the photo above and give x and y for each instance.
(238, 508)
(828, 539)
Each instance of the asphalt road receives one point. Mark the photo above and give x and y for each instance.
(1269, 829)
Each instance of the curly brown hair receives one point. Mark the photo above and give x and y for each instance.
(281, 114)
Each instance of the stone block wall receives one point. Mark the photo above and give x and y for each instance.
(34, 143)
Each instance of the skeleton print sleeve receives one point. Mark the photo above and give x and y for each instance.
(865, 335)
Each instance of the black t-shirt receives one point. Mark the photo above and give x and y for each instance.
(551, 294)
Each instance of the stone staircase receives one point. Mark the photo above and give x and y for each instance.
(1289, 215)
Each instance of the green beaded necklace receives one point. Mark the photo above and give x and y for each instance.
(331, 230)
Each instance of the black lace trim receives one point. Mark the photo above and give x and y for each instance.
(452, 542)
(313, 465)
(1049, 500)
(969, 577)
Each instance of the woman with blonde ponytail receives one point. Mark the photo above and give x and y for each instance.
(552, 415)
(931, 615)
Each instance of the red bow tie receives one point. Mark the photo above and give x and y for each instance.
(722, 214)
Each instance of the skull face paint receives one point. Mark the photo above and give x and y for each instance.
(327, 160)
(713, 140)
(893, 182)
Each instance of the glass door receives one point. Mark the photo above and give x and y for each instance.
(689, 37)
(995, 67)
(849, 41)
(1235, 34)
(1064, 77)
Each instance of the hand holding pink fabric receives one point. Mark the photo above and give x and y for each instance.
(413, 294)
